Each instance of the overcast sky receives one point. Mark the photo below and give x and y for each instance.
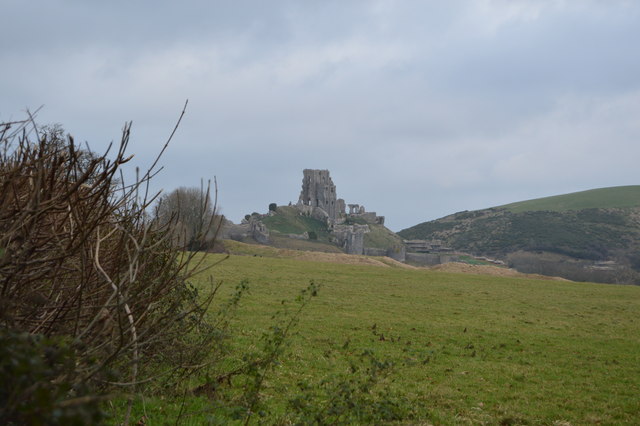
(419, 109)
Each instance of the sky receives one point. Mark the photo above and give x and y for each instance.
(419, 109)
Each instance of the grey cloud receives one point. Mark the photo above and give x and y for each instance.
(418, 108)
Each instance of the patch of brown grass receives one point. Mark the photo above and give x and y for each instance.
(465, 268)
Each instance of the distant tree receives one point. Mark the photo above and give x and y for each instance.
(273, 207)
(194, 212)
(84, 160)
(53, 133)
(313, 235)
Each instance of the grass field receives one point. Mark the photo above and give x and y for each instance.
(602, 198)
(466, 349)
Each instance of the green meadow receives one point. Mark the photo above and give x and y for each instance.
(451, 348)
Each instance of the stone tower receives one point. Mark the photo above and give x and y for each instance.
(318, 190)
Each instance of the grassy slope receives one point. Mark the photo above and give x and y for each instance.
(467, 348)
(604, 198)
(380, 237)
(309, 245)
(615, 197)
(289, 221)
(278, 243)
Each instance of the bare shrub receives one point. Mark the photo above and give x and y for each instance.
(80, 258)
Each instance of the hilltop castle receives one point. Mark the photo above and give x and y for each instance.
(319, 193)
(318, 199)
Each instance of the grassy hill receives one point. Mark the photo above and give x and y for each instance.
(579, 229)
(602, 198)
(288, 220)
(449, 348)
(381, 237)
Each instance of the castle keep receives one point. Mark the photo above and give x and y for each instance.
(319, 191)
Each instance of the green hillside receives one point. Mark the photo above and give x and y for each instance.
(615, 197)
(288, 220)
(581, 230)
(381, 237)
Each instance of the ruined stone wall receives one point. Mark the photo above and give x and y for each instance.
(318, 190)
(351, 237)
(396, 253)
(371, 251)
(370, 217)
(340, 208)
(252, 228)
(355, 242)
(259, 232)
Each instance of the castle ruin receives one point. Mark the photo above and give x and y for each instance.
(319, 191)
(318, 199)
(351, 237)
